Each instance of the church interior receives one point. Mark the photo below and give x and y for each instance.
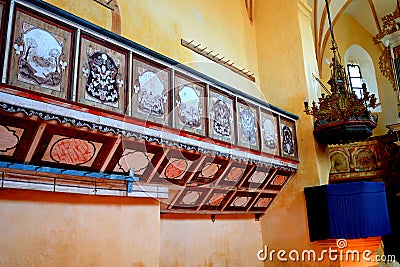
(199, 133)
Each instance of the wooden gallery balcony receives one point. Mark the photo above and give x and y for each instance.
(83, 110)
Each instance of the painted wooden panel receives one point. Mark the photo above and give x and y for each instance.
(16, 137)
(209, 171)
(191, 198)
(258, 177)
(150, 99)
(10, 138)
(363, 160)
(278, 180)
(190, 110)
(247, 126)
(235, 173)
(66, 147)
(269, 133)
(215, 200)
(134, 159)
(263, 201)
(340, 161)
(220, 114)
(288, 138)
(102, 75)
(241, 201)
(177, 167)
(71, 151)
(41, 55)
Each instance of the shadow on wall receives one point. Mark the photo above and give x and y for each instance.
(51, 197)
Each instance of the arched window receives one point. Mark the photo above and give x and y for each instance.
(361, 70)
(355, 78)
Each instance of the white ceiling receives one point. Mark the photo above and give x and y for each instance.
(362, 10)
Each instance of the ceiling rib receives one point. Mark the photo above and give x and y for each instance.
(376, 19)
(321, 29)
(327, 35)
(316, 36)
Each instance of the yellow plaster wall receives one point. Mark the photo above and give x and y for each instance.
(221, 26)
(347, 32)
(196, 241)
(283, 43)
(55, 229)
(311, 69)
(88, 10)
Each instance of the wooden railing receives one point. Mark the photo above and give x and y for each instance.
(51, 54)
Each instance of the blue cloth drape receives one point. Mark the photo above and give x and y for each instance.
(348, 210)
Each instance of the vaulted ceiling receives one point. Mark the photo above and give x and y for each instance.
(367, 12)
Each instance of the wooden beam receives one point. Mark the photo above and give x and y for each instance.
(154, 171)
(35, 142)
(111, 154)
